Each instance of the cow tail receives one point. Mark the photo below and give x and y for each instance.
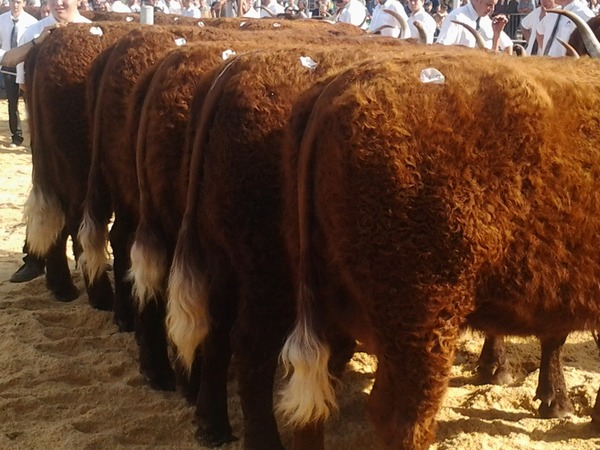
(188, 318)
(42, 212)
(45, 220)
(148, 255)
(97, 207)
(309, 395)
(148, 266)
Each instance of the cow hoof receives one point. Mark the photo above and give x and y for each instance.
(502, 377)
(64, 294)
(125, 324)
(100, 305)
(213, 439)
(159, 380)
(555, 409)
(493, 374)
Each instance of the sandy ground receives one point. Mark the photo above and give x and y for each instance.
(69, 379)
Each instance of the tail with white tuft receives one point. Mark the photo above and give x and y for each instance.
(308, 396)
(94, 241)
(187, 305)
(149, 267)
(45, 221)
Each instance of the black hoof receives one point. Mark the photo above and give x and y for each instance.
(555, 409)
(493, 375)
(64, 293)
(159, 380)
(501, 378)
(125, 324)
(214, 438)
(100, 305)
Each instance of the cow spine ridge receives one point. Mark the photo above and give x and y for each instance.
(45, 221)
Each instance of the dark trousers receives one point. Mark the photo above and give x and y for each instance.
(12, 94)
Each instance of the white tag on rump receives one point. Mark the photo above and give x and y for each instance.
(431, 75)
(308, 62)
(227, 54)
(96, 31)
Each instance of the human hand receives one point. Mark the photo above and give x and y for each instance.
(498, 23)
(46, 32)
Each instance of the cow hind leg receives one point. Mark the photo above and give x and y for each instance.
(256, 349)
(121, 235)
(58, 274)
(99, 289)
(552, 389)
(409, 385)
(213, 427)
(151, 338)
(493, 366)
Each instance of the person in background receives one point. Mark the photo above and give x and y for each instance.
(529, 25)
(418, 14)
(553, 27)
(188, 9)
(476, 14)
(525, 6)
(381, 18)
(174, 7)
(44, 9)
(352, 11)
(12, 26)
(119, 7)
(272, 5)
(321, 9)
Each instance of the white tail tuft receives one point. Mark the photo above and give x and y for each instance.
(309, 395)
(45, 221)
(94, 241)
(148, 272)
(187, 310)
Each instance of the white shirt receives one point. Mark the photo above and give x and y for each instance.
(355, 13)
(565, 28)
(6, 26)
(274, 7)
(119, 7)
(455, 34)
(34, 31)
(380, 18)
(252, 13)
(192, 11)
(174, 7)
(530, 22)
(428, 24)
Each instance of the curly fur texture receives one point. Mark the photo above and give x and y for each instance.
(484, 215)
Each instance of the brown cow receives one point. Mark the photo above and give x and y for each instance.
(60, 148)
(112, 154)
(488, 217)
(230, 267)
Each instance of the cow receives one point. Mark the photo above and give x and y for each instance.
(60, 149)
(230, 286)
(486, 219)
(113, 153)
